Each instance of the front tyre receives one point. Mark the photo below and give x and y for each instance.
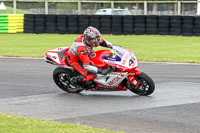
(61, 77)
(146, 85)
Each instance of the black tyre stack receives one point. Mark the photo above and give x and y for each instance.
(196, 29)
(187, 25)
(140, 22)
(128, 24)
(105, 22)
(29, 23)
(163, 25)
(61, 24)
(73, 24)
(83, 23)
(151, 24)
(117, 25)
(175, 25)
(51, 23)
(95, 21)
(40, 23)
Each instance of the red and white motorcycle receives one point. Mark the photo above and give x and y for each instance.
(124, 75)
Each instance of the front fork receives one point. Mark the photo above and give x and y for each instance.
(132, 79)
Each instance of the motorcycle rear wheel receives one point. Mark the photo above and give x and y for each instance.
(146, 85)
(61, 77)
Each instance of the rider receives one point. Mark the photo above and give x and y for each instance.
(78, 55)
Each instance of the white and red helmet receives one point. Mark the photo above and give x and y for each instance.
(91, 36)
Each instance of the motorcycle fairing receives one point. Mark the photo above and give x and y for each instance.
(112, 59)
(132, 79)
(126, 61)
(113, 79)
(100, 87)
(58, 55)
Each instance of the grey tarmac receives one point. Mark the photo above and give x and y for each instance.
(27, 88)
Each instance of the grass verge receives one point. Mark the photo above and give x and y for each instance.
(19, 124)
(9, 10)
(146, 48)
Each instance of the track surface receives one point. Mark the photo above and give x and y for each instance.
(27, 88)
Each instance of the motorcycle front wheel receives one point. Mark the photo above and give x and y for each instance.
(61, 77)
(146, 85)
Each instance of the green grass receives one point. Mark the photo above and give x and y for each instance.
(146, 48)
(19, 124)
(9, 10)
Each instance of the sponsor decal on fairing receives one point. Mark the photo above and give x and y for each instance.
(115, 80)
(54, 57)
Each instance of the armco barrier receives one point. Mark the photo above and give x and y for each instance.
(11, 23)
(107, 24)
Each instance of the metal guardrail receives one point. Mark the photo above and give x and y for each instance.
(138, 7)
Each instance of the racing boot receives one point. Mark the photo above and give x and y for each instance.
(76, 81)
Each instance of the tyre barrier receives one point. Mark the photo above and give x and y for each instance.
(196, 26)
(163, 25)
(128, 25)
(61, 24)
(117, 25)
(29, 23)
(11, 23)
(50, 23)
(107, 24)
(83, 23)
(73, 24)
(151, 25)
(140, 25)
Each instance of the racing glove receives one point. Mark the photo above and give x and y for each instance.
(110, 46)
(115, 45)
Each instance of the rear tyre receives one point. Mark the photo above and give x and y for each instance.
(62, 78)
(146, 85)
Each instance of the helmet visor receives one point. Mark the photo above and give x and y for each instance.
(95, 41)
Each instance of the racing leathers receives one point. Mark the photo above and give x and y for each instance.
(78, 58)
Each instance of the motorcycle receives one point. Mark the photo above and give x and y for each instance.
(123, 76)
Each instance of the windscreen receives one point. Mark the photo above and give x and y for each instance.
(119, 51)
